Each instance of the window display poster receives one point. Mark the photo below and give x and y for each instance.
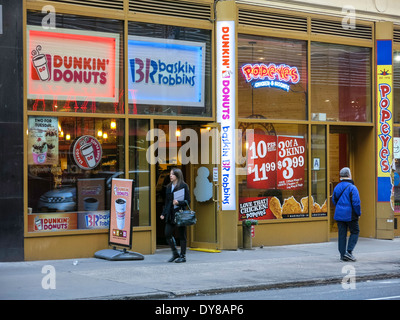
(290, 162)
(255, 208)
(52, 222)
(120, 232)
(261, 161)
(91, 204)
(43, 140)
(72, 64)
(166, 71)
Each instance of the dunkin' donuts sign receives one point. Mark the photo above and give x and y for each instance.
(68, 64)
(87, 152)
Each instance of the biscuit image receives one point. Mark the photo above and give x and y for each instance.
(324, 207)
(304, 204)
(316, 208)
(291, 206)
(275, 207)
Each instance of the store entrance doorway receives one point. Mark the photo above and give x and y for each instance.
(341, 148)
(193, 149)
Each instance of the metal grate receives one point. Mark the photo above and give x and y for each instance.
(336, 28)
(272, 20)
(396, 35)
(105, 4)
(179, 9)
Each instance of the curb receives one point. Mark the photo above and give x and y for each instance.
(285, 285)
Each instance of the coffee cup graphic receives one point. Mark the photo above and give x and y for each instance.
(120, 208)
(40, 63)
(90, 204)
(88, 153)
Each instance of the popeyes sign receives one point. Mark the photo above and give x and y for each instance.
(68, 64)
(272, 75)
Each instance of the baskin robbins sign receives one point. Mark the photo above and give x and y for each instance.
(166, 71)
(68, 64)
(271, 76)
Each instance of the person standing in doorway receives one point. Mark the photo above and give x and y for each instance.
(347, 212)
(171, 206)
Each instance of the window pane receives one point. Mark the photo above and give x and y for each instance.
(169, 70)
(139, 172)
(340, 82)
(272, 78)
(318, 171)
(77, 67)
(275, 183)
(71, 162)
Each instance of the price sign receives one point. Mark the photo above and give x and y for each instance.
(261, 161)
(290, 162)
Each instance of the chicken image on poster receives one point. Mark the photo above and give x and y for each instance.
(290, 162)
(261, 161)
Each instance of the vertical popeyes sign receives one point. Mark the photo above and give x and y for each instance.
(69, 64)
(226, 114)
(384, 84)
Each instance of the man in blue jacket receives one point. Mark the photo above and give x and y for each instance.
(348, 209)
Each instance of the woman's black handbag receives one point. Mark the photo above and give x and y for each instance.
(185, 218)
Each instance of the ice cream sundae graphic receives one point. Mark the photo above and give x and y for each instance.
(39, 151)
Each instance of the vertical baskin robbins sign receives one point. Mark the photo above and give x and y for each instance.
(226, 114)
(384, 74)
(166, 72)
(69, 64)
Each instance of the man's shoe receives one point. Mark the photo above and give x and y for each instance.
(343, 259)
(181, 259)
(350, 257)
(175, 255)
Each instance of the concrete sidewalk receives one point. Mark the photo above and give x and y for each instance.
(154, 278)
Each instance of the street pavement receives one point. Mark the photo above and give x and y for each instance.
(203, 273)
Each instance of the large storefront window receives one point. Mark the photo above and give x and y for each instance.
(318, 167)
(139, 172)
(71, 162)
(275, 185)
(341, 82)
(76, 67)
(169, 71)
(272, 78)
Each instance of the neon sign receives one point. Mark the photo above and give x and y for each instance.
(271, 76)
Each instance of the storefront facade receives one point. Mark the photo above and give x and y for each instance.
(259, 106)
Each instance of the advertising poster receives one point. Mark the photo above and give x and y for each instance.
(52, 222)
(43, 141)
(255, 208)
(290, 162)
(120, 212)
(91, 204)
(261, 161)
(69, 64)
(166, 71)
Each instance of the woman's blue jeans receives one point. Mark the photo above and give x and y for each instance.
(354, 229)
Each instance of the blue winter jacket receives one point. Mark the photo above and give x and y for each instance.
(347, 201)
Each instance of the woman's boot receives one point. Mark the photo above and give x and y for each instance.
(175, 253)
(181, 259)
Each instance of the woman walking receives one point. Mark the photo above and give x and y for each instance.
(171, 206)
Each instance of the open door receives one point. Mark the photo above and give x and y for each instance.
(340, 148)
(205, 190)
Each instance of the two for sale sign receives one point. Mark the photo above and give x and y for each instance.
(275, 162)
